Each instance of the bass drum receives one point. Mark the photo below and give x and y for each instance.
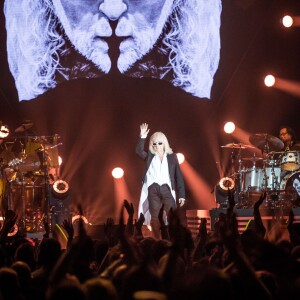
(290, 188)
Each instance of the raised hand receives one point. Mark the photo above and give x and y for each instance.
(202, 228)
(129, 208)
(176, 230)
(46, 227)
(291, 220)
(81, 229)
(139, 223)
(261, 199)
(294, 237)
(138, 226)
(228, 229)
(108, 230)
(231, 202)
(144, 129)
(108, 226)
(9, 221)
(259, 225)
(68, 226)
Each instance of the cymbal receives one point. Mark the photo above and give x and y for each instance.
(237, 146)
(25, 126)
(30, 163)
(252, 158)
(264, 141)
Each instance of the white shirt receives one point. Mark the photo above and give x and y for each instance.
(158, 171)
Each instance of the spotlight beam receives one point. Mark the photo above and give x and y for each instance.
(200, 190)
(290, 21)
(289, 86)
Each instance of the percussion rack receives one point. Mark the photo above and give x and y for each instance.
(46, 142)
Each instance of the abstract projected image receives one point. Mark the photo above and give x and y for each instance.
(52, 41)
(176, 102)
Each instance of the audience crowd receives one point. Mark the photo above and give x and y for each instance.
(221, 263)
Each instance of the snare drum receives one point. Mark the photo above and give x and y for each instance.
(290, 161)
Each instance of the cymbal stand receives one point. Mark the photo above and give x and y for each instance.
(265, 150)
(265, 176)
(274, 183)
(45, 172)
(254, 161)
(275, 179)
(56, 144)
(236, 175)
(266, 146)
(239, 173)
(6, 201)
(232, 156)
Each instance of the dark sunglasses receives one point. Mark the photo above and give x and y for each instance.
(155, 144)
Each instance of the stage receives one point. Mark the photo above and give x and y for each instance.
(271, 218)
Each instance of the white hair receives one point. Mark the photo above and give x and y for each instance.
(34, 44)
(162, 138)
(193, 44)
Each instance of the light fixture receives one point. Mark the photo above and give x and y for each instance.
(60, 189)
(4, 131)
(117, 173)
(287, 21)
(180, 158)
(76, 218)
(269, 80)
(229, 127)
(226, 183)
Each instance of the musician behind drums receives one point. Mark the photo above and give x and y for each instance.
(288, 136)
(290, 164)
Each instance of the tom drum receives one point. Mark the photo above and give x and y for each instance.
(258, 179)
(290, 161)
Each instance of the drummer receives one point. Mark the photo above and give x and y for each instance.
(288, 137)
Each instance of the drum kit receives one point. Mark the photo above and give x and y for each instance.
(272, 171)
(26, 163)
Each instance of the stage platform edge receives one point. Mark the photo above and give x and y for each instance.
(244, 218)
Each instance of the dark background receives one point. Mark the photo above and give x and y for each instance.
(98, 119)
